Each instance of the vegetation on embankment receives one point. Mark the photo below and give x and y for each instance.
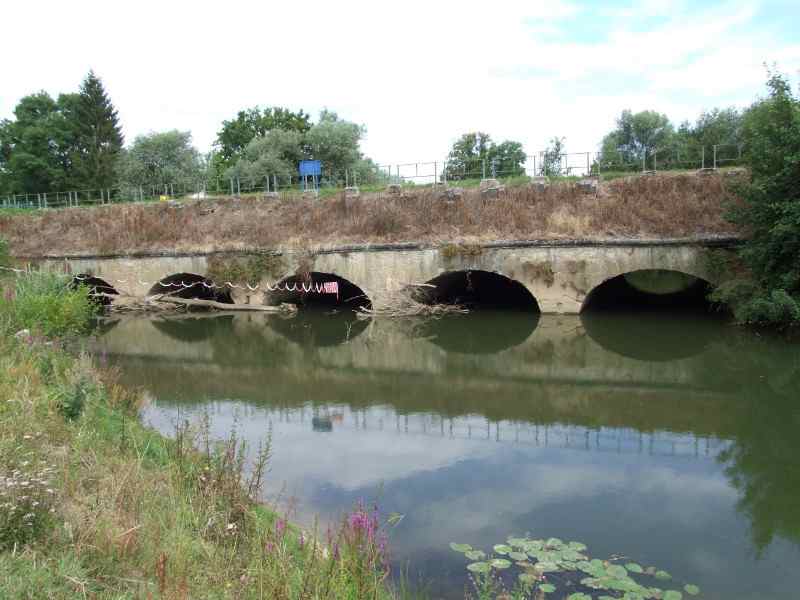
(647, 206)
(763, 286)
(94, 504)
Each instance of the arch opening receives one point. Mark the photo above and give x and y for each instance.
(191, 286)
(100, 291)
(477, 290)
(652, 290)
(311, 291)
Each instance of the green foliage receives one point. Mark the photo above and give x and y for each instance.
(45, 304)
(71, 142)
(38, 147)
(543, 563)
(99, 135)
(273, 154)
(475, 150)
(335, 142)
(254, 122)
(160, 158)
(5, 258)
(245, 269)
(770, 212)
(551, 158)
(636, 137)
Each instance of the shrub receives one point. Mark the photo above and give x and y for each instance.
(45, 303)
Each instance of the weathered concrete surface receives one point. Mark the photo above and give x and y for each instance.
(560, 275)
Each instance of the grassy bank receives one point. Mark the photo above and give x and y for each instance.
(654, 206)
(95, 505)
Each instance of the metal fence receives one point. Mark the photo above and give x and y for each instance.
(446, 172)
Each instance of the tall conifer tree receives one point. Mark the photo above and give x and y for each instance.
(99, 135)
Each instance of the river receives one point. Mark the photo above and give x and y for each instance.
(671, 439)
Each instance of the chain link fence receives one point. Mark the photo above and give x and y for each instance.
(419, 173)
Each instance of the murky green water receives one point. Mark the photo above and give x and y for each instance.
(674, 440)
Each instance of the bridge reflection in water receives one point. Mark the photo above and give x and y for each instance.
(608, 430)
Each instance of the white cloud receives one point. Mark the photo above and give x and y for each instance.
(418, 74)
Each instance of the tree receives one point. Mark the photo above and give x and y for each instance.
(335, 142)
(274, 154)
(235, 134)
(37, 148)
(467, 155)
(163, 158)
(636, 138)
(769, 212)
(551, 157)
(99, 135)
(507, 159)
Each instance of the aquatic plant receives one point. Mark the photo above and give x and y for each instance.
(552, 566)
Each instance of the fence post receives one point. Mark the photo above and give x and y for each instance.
(644, 161)
(715, 157)
(702, 157)
(655, 160)
(274, 183)
(238, 188)
(588, 168)
(232, 186)
(435, 173)
(444, 173)
(484, 169)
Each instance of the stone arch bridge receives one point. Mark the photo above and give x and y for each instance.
(560, 275)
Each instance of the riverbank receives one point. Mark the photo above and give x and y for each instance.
(94, 504)
(635, 207)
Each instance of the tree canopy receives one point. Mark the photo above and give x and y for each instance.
(473, 150)
(770, 212)
(69, 143)
(161, 158)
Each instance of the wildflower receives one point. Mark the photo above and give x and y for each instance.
(301, 540)
(280, 527)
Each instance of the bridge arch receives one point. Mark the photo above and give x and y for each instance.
(310, 290)
(191, 286)
(650, 288)
(99, 289)
(477, 289)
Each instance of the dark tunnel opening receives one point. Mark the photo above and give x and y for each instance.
(477, 290)
(319, 290)
(191, 286)
(650, 290)
(99, 289)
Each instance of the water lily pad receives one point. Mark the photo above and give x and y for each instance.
(663, 575)
(577, 546)
(546, 567)
(502, 549)
(528, 578)
(691, 589)
(672, 595)
(517, 555)
(517, 542)
(479, 567)
(475, 554)
(547, 588)
(617, 571)
(579, 596)
(500, 563)
(460, 547)
(634, 568)
(554, 543)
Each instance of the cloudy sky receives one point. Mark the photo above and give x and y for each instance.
(417, 74)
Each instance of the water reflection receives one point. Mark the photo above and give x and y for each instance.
(684, 458)
(318, 328)
(652, 336)
(485, 333)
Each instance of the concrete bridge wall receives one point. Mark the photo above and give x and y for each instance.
(559, 275)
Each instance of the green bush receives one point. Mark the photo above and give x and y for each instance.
(45, 304)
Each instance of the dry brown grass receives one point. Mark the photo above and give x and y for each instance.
(658, 206)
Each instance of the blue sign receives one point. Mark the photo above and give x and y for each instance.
(310, 168)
